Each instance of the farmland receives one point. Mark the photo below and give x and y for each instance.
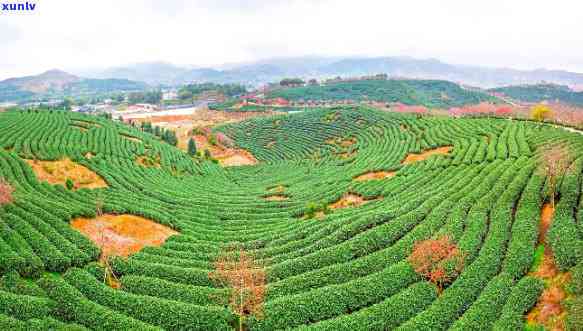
(331, 209)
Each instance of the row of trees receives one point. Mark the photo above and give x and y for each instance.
(169, 136)
(192, 91)
(152, 97)
(430, 93)
(286, 82)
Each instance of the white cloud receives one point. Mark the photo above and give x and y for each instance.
(76, 34)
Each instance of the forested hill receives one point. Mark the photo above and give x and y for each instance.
(542, 92)
(57, 84)
(429, 93)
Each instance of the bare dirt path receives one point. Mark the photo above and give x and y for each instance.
(549, 310)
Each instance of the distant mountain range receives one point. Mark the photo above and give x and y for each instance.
(57, 83)
(264, 71)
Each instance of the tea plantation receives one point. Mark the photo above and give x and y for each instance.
(344, 269)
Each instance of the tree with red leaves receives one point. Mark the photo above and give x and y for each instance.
(240, 272)
(6, 191)
(437, 260)
(554, 162)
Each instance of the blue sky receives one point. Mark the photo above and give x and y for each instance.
(78, 34)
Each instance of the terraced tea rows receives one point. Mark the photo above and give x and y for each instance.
(344, 270)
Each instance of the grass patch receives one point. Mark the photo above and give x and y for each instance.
(539, 254)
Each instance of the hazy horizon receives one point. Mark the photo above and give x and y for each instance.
(66, 35)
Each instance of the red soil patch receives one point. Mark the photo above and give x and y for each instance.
(346, 155)
(350, 200)
(227, 157)
(239, 158)
(170, 118)
(375, 175)
(276, 197)
(329, 118)
(549, 311)
(148, 162)
(413, 157)
(57, 172)
(122, 235)
(347, 142)
(341, 142)
(208, 118)
(546, 219)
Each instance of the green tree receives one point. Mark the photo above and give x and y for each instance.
(69, 183)
(169, 137)
(67, 103)
(191, 147)
(185, 94)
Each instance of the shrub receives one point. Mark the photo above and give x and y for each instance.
(191, 147)
(71, 305)
(575, 304)
(438, 260)
(23, 306)
(539, 253)
(522, 297)
(70, 184)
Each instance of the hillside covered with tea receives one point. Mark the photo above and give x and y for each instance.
(107, 227)
(428, 93)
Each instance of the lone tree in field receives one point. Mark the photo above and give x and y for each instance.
(239, 271)
(191, 147)
(541, 112)
(554, 163)
(109, 276)
(437, 260)
(6, 191)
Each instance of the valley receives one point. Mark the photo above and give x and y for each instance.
(329, 210)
